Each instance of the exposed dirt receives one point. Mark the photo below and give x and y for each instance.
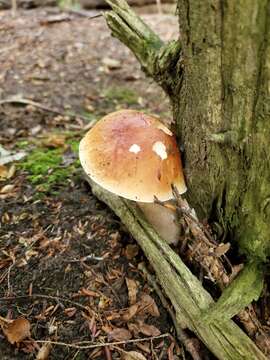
(48, 232)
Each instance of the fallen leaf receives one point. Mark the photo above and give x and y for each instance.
(144, 347)
(92, 326)
(89, 107)
(170, 351)
(148, 305)
(107, 329)
(8, 156)
(148, 330)
(4, 263)
(90, 293)
(132, 290)
(222, 249)
(11, 171)
(111, 63)
(131, 251)
(44, 351)
(17, 330)
(70, 311)
(55, 141)
(7, 189)
(134, 329)
(113, 316)
(132, 355)
(3, 172)
(120, 334)
(130, 312)
(104, 302)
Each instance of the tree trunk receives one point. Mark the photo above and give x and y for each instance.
(222, 110)
(217, 76)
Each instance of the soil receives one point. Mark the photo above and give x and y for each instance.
(64, 256)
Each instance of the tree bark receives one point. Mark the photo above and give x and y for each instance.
(222, 112)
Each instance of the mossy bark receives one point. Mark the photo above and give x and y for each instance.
(223, 115)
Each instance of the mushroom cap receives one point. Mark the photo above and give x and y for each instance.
(133, 155)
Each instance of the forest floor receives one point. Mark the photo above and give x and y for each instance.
(66, 264)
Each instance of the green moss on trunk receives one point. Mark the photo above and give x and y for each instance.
(223, 116)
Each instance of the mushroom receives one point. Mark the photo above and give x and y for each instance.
(135, 156)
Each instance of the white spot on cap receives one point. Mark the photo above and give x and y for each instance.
(134, 148)
(160, 149)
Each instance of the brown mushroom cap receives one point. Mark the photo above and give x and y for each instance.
(133, 155)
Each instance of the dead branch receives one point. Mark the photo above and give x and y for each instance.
(89, 345)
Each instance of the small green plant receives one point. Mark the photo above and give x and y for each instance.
(46, 169)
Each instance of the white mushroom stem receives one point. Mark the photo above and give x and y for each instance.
(163, 219)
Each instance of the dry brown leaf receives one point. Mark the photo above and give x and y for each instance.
(44, 351)
(92, 325)
(7, 189)
(104, 302)
(87, 292)
(3, 172)
(222, 249)
(144, 347)
(170, 351)
(131, 251)
(148, 330)
(70, 311)
(132, 290)
(132, 355)
(11, 171)
(130, 312)
(134, 329)
(120, 334)
(55, 141)
(96, 353)
(17, 330)
(112, 64)
(107, 328)
(113, 316)
(148, 306)
(4, 263)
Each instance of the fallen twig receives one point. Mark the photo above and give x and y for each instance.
(86, 258)
(84, 13)
(19, 100)
(89, 344)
